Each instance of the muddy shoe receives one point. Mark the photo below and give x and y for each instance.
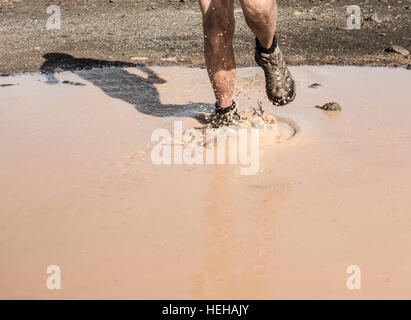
(280, 85)
(224, 117)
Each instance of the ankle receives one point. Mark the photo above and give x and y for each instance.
(226, 109)
(269, 50)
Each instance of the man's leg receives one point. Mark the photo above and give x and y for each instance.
(261, 17)
(218, 23)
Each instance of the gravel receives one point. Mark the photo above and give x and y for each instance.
(169, 32)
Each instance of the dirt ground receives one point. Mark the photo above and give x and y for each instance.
(168, 32)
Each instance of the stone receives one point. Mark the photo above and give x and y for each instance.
(314, 86)
(380, 16)
(398, 49)
(330, 106)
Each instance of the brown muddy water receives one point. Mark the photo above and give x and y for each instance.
(79, 189)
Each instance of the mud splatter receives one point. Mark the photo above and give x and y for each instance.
(330, 106)
(271, 129)
(254, 118)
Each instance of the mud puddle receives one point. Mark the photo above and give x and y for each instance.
(80, 189)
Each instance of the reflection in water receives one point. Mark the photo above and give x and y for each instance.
(218, 277)
(238, 242)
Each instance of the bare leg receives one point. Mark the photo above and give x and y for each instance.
(218, 23)
(261, 17)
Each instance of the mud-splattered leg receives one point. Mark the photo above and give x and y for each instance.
(261, 17)
(218, 22)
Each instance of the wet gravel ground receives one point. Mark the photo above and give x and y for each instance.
(170, 32)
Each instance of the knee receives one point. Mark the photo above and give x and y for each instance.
(258, 10)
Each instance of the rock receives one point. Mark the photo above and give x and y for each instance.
(74, 83)
(398, 49)
(330, 106)
(314, 86)
(380, 16)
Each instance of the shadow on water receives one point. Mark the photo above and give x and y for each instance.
(120, 84)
